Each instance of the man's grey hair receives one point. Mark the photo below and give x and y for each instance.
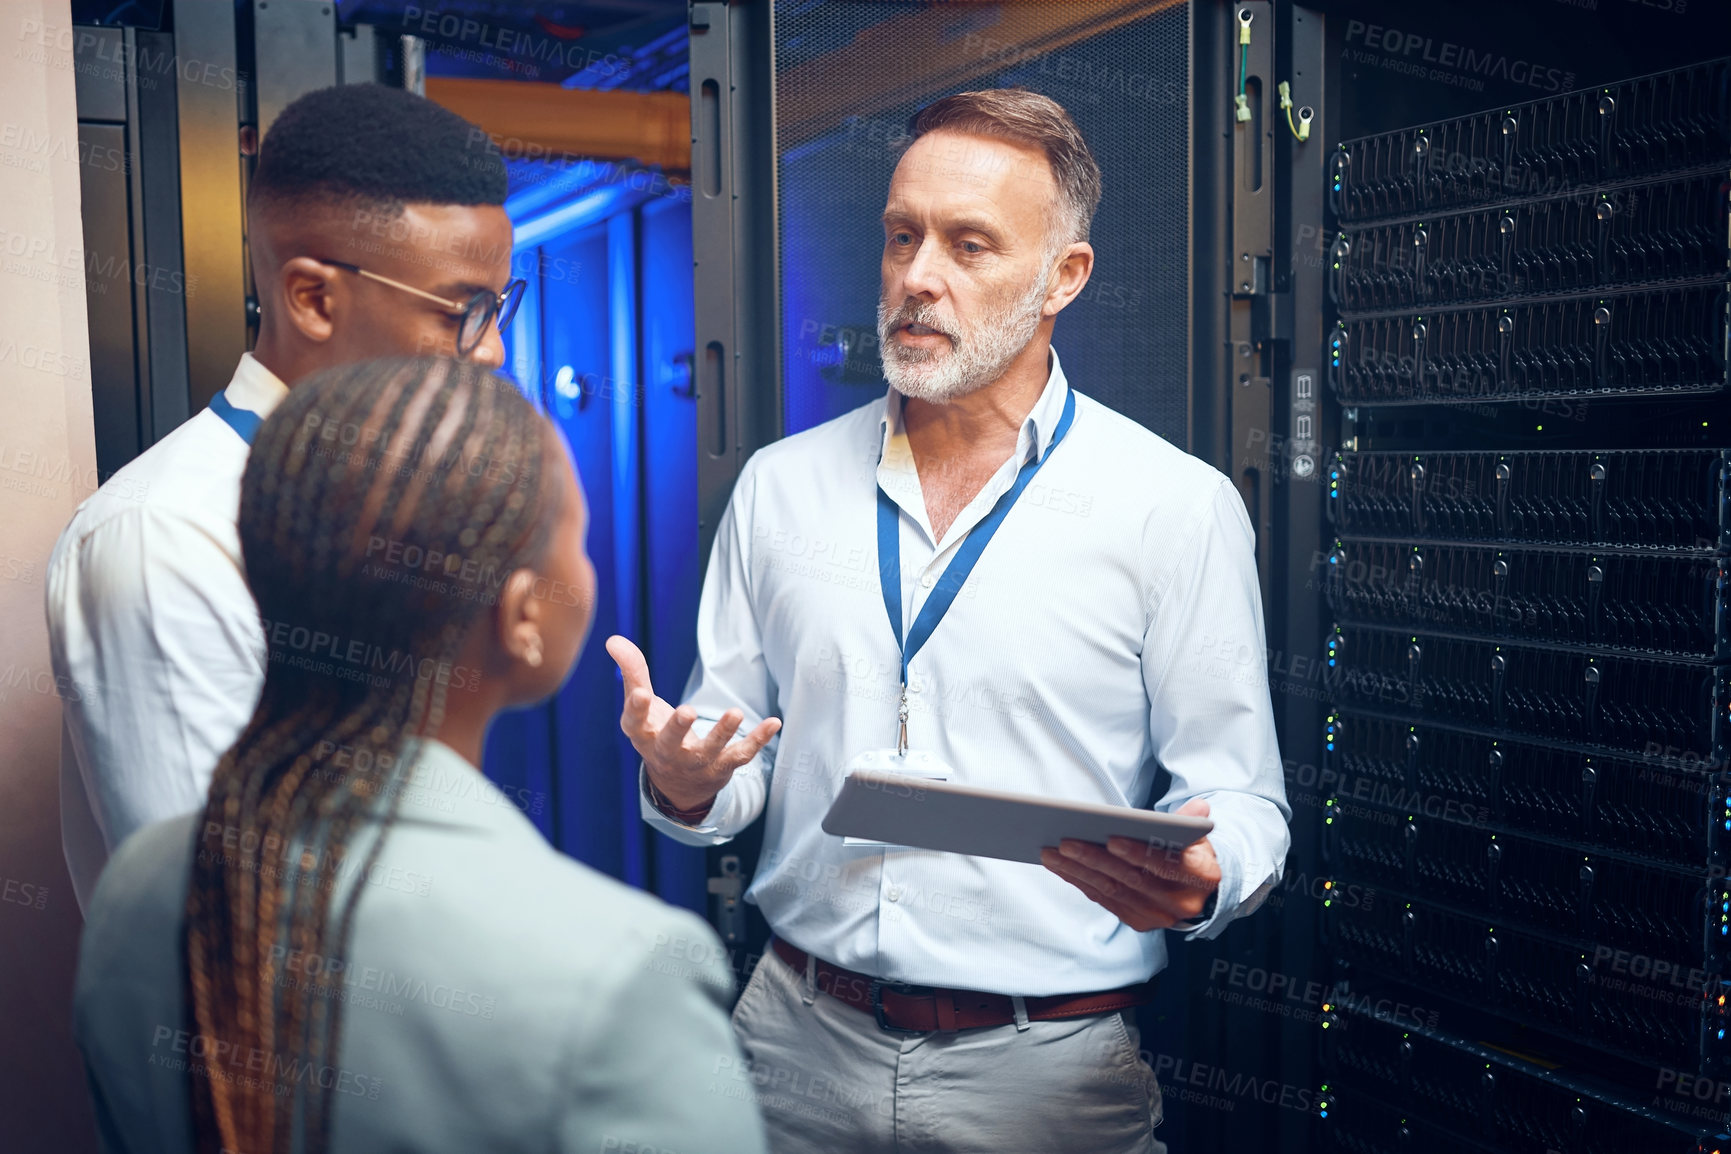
(1026, 118)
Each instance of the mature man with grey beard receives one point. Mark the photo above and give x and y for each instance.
(1013, 583)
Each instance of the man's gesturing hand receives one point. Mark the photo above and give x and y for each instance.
(1148, 888)
(689, 771)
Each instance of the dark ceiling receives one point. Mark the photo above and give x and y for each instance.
(634, 44)
(631, 44)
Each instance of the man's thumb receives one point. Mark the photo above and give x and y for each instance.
(1195, 807)
(631, 663)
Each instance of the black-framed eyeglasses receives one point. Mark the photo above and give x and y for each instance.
(471, 315)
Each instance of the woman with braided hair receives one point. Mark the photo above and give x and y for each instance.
(360, 944)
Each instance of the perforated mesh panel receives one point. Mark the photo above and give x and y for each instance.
(848, 76)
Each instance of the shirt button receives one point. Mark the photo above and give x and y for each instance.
(895, 894)
(928, 581)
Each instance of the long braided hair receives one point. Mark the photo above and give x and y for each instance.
(382, 508)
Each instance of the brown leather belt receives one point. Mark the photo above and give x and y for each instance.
(923, 1009)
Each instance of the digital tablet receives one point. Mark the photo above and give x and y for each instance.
(919, 813)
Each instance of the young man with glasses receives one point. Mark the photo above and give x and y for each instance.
(376, 227)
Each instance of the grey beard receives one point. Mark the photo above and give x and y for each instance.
(978, 355)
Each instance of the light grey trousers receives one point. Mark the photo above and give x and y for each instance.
(829, 1081)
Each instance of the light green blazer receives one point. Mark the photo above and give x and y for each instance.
(497, 995)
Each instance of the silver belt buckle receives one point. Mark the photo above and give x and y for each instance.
(877, 999)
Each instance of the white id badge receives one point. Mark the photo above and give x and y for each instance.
(914, 763)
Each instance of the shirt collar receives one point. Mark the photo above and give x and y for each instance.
(254, 388)
(1037, 429)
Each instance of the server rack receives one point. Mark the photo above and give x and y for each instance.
(1529, 661)
(168, 119)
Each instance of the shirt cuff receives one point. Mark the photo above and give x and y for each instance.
(1233, 898)
(692, 816)
(707, 832)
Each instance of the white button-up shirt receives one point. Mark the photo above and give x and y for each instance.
(1084, 651)
(157, 648)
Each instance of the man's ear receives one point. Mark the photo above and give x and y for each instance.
(519, 615)
(1069, 277)
(310, 297)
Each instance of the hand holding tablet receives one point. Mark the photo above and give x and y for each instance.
(1151, 870)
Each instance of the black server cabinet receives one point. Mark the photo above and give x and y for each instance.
(168, 119)
(1529, 642)
(136, 283)
(1470, 380)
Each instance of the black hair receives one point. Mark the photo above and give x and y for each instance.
(366, 144)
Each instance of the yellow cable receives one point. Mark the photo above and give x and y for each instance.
(1301, 130)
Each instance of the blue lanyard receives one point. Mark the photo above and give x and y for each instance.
(956, 573)
(242, 421)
